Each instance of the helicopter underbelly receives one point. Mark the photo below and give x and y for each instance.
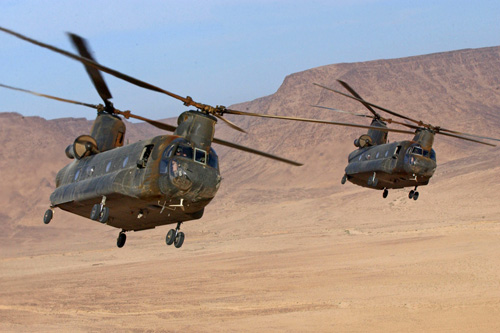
(129, 213)
(386, 180)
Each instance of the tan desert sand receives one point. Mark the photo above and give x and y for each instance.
(280, 249)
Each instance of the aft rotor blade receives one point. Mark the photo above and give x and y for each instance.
(467, 139)
(371, 104)
(355, 94)
(342, 111)
(231, 124)
(316, 121)
(51, 97)
(254, 151)
(187, 101)
(466, 134)
(160, 125)
(95, 75)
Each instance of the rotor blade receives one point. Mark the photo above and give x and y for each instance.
(95, 75)
(231, 124)
(316, 121)
(342, 111)
(466, 134)
(355, 94)
(160, 125)
(51, 97)
(371, 104)
(388, 120)
(467, 139)
(187, 100)
(254, 151)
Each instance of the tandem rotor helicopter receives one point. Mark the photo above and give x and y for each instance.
(380, 165)
(168, 179)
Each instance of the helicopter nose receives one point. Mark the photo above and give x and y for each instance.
(179, 176)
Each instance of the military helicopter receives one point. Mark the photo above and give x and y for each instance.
(380, 165)
(168, 179)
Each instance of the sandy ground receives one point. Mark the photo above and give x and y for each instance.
(293, 265)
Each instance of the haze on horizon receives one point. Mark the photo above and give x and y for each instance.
(218, 52)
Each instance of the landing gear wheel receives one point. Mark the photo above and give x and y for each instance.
(170, 238)
(344, 179)
(415, 196)
(385, 194)
(47, 217)
(369, 182)
(411, 194)
(120, 241)
(179, 239)
(96, 211)
(103, 216)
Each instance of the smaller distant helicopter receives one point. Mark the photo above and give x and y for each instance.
(380, 165)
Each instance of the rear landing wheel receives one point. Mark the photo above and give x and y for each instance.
(415, 196)
(120, 241)
(385, 194)
(411, 194)
(47, 217)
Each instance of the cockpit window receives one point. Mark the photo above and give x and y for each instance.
(433, 155)
(200, 156)
(213, 160)
(417, 150)
(184, 151)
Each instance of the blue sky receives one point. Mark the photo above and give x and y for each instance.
(218, 52)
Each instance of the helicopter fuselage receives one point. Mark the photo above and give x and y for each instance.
(150, 183)
(391, 165)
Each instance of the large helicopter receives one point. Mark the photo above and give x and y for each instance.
(167, 179)
(381, 165)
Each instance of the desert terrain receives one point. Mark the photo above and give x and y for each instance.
(280, 248)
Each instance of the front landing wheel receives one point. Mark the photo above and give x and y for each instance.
(170, 238)
(179, 239)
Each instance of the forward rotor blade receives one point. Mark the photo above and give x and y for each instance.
(256, 152)
(95, 75)
(50, 97)
(231, 124)
(355, 94)
(371, 104)
(316, 121)
(467, 139)
(187, 100)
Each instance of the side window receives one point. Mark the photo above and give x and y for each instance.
(77, 174)
(108, 166)
(200, 156)
(125, 161)
(146, 152)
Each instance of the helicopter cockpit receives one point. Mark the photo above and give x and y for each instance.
(417, 150)
(183, 149)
